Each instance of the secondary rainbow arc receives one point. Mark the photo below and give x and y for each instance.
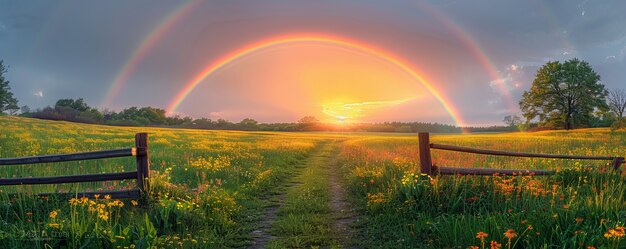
(476, 50)
(150, 40)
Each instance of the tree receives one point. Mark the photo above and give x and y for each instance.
(308, 123)
(78, 104)
(512, 120)
(25, 109)
(7, 101)
(248, 124)
(617, 102)
(564, 94)
(308, 120)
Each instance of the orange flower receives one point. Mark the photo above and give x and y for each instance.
(495, 245)
(618, 232)
(579, 220)
(510, 234)
(474, 247)
(481, 235)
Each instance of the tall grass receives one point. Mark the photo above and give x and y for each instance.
(205, 190)
(582, 205)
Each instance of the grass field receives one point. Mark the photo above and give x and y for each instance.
(215, 189)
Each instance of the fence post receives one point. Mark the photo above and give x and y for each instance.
(143, 164)
(425, 160)
(617, 162)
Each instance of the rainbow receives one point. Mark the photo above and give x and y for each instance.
(476, 51)
(316, 38)
(146, 45)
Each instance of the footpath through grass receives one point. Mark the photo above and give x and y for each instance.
(210, 189)
(207, 186)
(306, 219)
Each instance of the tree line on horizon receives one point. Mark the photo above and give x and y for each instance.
(564, 95)
(77, 110)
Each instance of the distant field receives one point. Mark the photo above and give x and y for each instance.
(214, 189)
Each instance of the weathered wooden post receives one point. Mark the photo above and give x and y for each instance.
(425, 160)
(617, 162)
(143, 163)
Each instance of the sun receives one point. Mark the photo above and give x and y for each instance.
(351, 111)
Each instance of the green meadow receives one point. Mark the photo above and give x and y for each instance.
(231, 189)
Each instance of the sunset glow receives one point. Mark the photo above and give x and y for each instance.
(351, 111)
(338, 108)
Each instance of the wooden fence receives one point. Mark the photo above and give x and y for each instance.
(427, 166)
(142, 174)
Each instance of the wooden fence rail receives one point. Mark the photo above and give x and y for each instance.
(142, 174)
(427, 166)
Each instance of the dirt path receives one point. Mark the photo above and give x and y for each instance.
(344, 214)
(325, 163)
(261, 235)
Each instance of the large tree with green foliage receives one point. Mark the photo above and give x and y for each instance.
(564, 95)
(7, 101)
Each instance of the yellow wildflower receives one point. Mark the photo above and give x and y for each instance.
(74, 201)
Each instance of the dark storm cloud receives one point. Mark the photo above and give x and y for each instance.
(76, 48)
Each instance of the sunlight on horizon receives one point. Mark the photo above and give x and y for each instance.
(351, 112)
(333, 84)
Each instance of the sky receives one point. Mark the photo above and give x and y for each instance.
(452, 62)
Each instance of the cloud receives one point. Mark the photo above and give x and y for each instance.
(216, 114)
(509, 81)
(581, 7)
(360, 109)
(38, 93)
(494, 101)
